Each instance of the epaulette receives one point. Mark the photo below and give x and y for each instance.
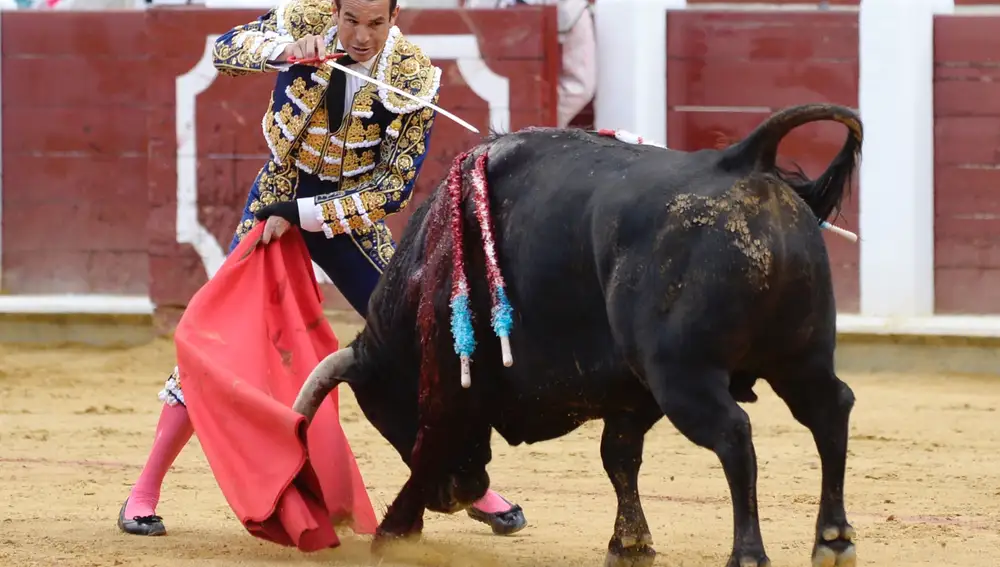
(406, 67)
(299, 18)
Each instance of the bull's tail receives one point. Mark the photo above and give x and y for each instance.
(759, 151)
(461, 315)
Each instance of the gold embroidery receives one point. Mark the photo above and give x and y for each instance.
(365, 178)
(349, 207)
(310, 97)
(275, 184)
(332, 219)
(355, 160)
(356, 223)
(384, 245)
(330, 170)
(395, 127)
(401, 63)
(393, 174)
(409, 69)
(279, 139)
(377, 244)
(294, 122)
(358, 134)
(372, 201)
(243, 228)
(364, 99)
(308, 161)
(246, 48)
(385, 190)
(308, 17)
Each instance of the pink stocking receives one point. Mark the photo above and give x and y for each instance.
(172, 432)
(491, 503)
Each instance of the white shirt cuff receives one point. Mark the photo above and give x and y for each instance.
(279, 48)
(310, 215)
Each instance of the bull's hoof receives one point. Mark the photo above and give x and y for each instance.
(835, 548)
(630, 553)
(749, 560)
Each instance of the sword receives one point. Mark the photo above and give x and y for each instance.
(362, 76)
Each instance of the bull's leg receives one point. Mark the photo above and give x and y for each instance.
(823, 403)
(404, 518)
(621, 451)
(450, 455)
(447, 473)
(697, 401)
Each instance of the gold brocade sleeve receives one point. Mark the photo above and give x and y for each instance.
(249, 47)
(403, 151)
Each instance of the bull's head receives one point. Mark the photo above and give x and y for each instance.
(389, 402)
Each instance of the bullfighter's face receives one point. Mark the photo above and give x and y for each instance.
(363, 25)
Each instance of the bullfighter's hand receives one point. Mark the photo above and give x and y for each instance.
(278, 217)
(274, 227)
(309, 47)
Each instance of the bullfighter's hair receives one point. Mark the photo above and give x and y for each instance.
(445, 224)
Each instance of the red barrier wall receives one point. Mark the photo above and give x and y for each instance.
(74, 153)
(728, 70)
(967, 164)
(90, 142)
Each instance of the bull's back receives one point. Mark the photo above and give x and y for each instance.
(720, 270)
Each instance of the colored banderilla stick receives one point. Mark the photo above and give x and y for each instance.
(502, 312)
(839, 231)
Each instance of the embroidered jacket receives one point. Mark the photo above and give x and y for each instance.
(376, 153)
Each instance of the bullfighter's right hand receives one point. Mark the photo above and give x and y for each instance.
(309, 47)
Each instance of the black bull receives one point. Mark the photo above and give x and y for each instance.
(645, 282)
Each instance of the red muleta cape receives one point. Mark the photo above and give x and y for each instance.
(245, 345)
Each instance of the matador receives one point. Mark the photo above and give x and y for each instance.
(346, 152)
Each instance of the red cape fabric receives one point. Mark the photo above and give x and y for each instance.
(246, 343)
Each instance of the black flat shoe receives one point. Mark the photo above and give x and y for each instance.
(503, 523)
(141, 525)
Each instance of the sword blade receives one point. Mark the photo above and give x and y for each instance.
(437, 108)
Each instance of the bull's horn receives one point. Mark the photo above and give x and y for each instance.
(324, 378)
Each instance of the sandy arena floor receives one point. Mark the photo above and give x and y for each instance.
(923, 483)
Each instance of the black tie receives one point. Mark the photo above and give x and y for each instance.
(336, 92)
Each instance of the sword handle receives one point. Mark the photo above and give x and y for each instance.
(329, 57)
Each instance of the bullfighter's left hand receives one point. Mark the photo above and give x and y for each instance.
(278, 217)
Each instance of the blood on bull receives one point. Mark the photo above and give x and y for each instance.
(642, 282)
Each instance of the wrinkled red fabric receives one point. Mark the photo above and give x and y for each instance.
(245, 345)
